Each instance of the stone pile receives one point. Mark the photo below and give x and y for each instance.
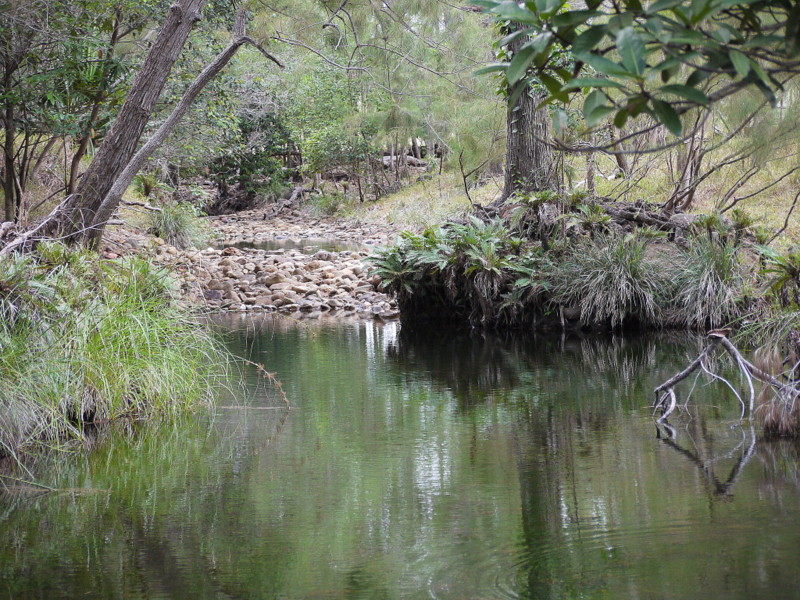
(251, 227)
(287, 281)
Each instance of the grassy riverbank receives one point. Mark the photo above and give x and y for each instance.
(85, 341)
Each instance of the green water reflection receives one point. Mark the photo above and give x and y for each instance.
(419, 466)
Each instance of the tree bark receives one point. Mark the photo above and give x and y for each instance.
(9, 190)
(531, 163)
(119, 146)
(112, 199)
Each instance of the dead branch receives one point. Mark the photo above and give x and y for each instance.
(785, 394)
(142, 204)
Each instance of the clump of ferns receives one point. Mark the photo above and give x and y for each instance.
(587, 218)
(529, 290)
(783, 274)
(535, 215)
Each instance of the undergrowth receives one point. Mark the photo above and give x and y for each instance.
(179, 224)
(86, 341)
(482, 273)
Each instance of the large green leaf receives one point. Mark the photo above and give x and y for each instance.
(511, 11)
(631, 50)
(740, 62)
(667, 115)
(492, 68)
(603, 65)
(519, 64)
(587, 40)
(660, 5)
(598, 114)
(687, 92)
(574, 17)
(591, 82)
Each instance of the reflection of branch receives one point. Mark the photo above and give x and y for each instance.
(706, 466)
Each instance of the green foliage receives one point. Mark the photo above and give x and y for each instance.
(148, 185)
(179, 224)
(249, 160)
(713, 222)
(92, 341)
(329, 204)
(662, 60)
(741, 219)
(708, 284)
(611, 280)
(783, 271)
(588, 217)
(462, 269)
(479, 272)
(331, 147)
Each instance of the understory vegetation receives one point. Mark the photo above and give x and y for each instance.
(85, 341)
(607, 278)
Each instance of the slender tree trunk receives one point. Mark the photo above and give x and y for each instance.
(531, 163)
(590, 173)
(120, 144)
(9, 190)
(622, 159)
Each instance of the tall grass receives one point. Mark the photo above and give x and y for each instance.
(179, 224)
(610, 279)
(708, 283)
(85, 341)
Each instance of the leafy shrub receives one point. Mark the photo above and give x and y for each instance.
(329, 204)
(149, 185)
(248, 162)
(783, 271)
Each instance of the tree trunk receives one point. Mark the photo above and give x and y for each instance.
(120, 144)
(622, 159)
(590, 173)
(111, 201)
(531, 163)
(9, 167)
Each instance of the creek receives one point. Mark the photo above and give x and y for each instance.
(419, 465)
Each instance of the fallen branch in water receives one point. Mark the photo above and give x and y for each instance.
(783, 421)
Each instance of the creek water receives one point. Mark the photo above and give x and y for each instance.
(419, 465)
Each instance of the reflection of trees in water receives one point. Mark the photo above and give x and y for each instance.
(579, 450)
(780, 461)
(602, 372)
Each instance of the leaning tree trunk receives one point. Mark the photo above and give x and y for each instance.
(94, 216)
(79, 211)
(112, 199)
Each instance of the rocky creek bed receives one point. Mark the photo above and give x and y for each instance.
(239, 274)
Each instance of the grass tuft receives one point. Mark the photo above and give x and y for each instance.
(179, 224)
(91, 341)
